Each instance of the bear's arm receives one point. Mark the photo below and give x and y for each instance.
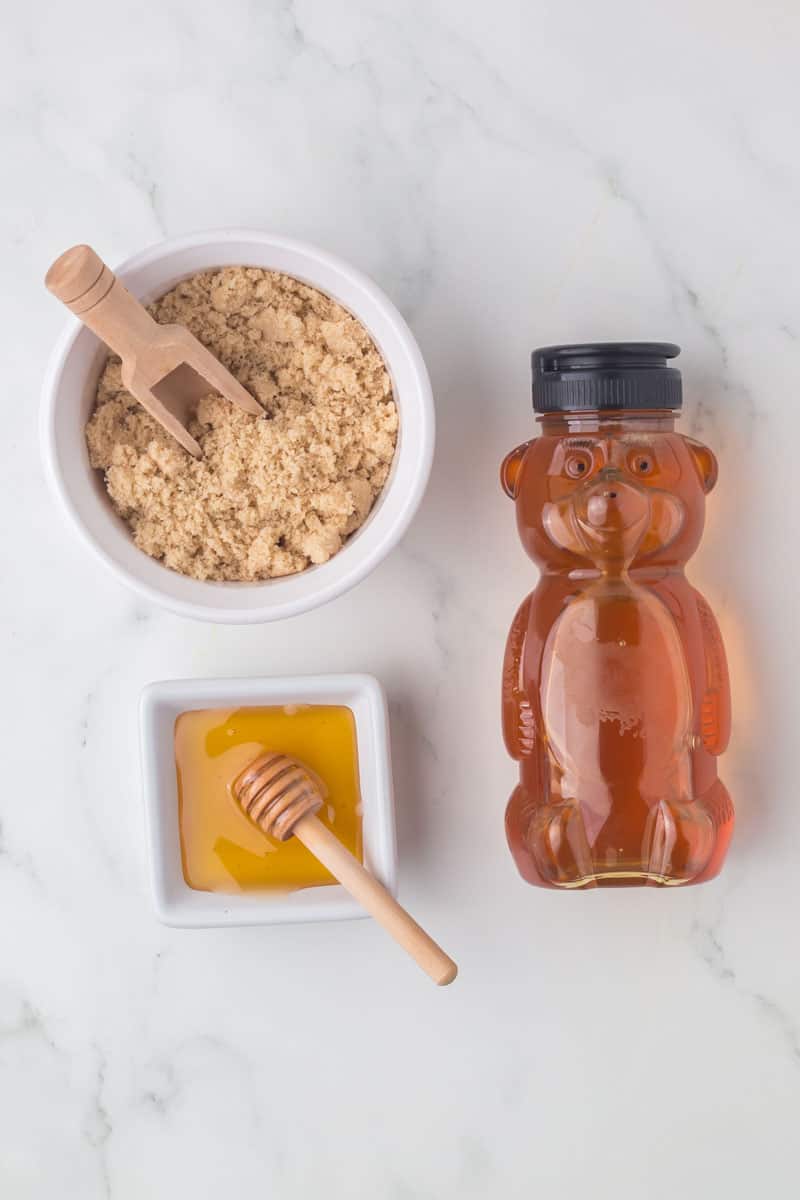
(715, 716)
(698, 627)
(519, 726)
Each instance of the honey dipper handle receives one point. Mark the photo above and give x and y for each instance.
(81, 280)
(374, 897)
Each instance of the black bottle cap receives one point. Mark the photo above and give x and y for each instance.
(605, 375)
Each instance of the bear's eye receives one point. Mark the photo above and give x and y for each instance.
(578, 464)
(641, 463)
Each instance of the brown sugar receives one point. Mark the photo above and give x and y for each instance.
(273, 495)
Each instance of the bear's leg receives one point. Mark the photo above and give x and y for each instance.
(718, 805)
(683, 839)
(520, 812)
(547, 837)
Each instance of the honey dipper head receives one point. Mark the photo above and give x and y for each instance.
(275, 791)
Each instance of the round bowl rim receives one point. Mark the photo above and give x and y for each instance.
(361, 565)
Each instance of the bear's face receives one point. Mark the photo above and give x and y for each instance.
(610, 500)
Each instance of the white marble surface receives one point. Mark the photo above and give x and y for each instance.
(513, 174)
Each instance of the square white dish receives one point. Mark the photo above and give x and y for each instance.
(179, 905)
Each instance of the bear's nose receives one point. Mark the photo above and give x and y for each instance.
(597, 508)
(615, 503)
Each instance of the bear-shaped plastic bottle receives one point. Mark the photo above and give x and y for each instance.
(615, 685)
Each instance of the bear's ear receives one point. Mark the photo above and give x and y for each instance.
(509, 472)
(705, 461)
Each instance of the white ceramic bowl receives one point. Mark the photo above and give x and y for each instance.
(178, 904)
(68, 395)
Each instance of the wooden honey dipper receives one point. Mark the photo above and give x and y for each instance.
(280, 796)
(164, 366)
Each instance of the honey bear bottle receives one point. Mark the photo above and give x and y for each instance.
(615, 686)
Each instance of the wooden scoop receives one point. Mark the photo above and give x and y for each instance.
(163, 366)
(280, 796)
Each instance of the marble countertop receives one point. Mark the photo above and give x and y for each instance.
(512, 174)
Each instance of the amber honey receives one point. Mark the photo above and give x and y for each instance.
(616, 700)
(221, 850)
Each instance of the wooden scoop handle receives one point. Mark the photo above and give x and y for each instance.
(81, 280)
(374, 897)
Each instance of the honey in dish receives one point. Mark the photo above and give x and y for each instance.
(221, 850)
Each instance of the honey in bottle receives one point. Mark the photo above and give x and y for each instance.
(616, 701)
